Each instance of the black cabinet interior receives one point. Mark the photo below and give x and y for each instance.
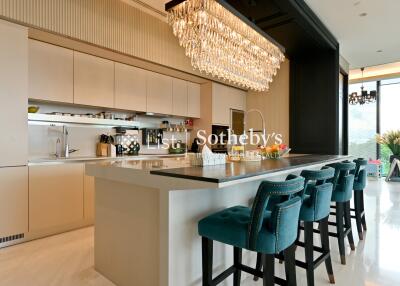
(314, 70)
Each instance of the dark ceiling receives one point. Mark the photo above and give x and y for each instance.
(290, 22)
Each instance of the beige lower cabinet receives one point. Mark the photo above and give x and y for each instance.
(88, 207)
(13, 201)
(56, 197)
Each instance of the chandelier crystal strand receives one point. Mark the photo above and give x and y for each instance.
(220, 44)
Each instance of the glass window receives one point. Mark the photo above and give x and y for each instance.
(390, 103)
(362, 125)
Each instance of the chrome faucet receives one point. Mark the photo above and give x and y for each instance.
(65, 141)
(64, 150)
(262, 120)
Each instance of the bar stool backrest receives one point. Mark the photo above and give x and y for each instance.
(360, 174)
(319, 190)
(317, 177)
(285, 213)
(343, 180)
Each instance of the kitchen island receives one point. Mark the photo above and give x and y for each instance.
(147, 213)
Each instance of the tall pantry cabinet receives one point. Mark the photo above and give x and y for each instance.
(14, 130)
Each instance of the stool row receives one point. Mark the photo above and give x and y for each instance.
(280, 211)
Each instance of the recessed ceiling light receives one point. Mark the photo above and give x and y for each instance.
(363, 14)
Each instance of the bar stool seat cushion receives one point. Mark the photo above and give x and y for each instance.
(231, 226)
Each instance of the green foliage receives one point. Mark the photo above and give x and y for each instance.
(385, 157)
(391, 139)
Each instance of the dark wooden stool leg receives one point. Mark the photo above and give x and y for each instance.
(237, 260)
(207, 260)
(324, 231)
(258, 265)
(309, 251)
(364, 223)
(347, 219)
(268, 264)
(357, 210)
(290, 265)
(340, 232)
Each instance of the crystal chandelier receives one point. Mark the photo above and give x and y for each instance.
(365, 96)
(224, 45)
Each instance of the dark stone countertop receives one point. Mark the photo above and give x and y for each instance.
(235, 171)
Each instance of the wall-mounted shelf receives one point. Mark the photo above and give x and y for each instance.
(47, 118)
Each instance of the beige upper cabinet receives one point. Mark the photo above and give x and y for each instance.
(13, 95)
(51, 72)
(193, 100)
(13, 201)
(130, 87)
(159, 93)
(225, 98)
(55, 196)
(180, 97)
(93, 80)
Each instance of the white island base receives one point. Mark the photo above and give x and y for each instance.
(146, 224)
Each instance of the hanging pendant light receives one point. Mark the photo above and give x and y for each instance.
(223, 44)
(365, 96)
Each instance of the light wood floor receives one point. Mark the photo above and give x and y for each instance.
(61, 260)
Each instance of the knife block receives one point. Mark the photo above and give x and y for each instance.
(102, 150)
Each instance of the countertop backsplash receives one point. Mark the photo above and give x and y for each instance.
(43, 138)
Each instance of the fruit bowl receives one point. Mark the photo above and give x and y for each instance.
(275, 151)
(33, 109)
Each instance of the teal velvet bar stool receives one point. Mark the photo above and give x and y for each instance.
(316, 199)
(360, 182)
(256, 229)
(316, 208)
(343, 182)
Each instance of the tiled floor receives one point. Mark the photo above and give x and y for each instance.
(67, 259)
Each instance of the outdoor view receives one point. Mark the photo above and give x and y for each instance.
(362, 125)
(363, 120)
(390, 104)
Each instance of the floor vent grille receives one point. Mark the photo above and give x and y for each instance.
(11, 237)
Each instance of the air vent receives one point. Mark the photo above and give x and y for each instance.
(11, 237)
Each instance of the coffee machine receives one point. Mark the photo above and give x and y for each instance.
(127, 141)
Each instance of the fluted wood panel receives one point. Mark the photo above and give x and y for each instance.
(112, 24)
(274, 104)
